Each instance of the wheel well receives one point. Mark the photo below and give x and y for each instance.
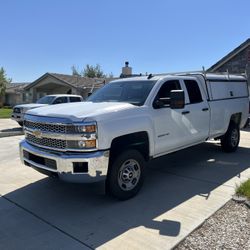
(138, 141)
(236, 118)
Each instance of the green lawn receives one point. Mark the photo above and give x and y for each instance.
(5, 113)
(244, 189)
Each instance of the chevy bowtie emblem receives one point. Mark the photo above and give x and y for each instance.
(37, 133)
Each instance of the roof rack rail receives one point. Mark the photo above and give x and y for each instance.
(203, 72)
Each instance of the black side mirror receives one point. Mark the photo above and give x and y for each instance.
(177, 99)
(89, 94)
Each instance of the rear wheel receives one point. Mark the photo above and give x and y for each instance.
(231, 139)
(125, 175)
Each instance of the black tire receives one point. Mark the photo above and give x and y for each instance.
(125, 175)
(20, 123)
(231, 139)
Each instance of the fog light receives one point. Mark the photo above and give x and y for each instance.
(80, 167)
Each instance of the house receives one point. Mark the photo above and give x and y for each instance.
(237, 61)
(52, 83)
(13, 93)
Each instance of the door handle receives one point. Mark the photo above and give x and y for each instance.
(185, 112)
(205, 109)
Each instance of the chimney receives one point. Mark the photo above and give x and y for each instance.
(126, 71)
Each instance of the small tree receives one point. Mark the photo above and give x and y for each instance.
(4, 81)
(89, 71)
(75, 71)
(93, 71)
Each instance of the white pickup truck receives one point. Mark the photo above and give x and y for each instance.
(21, 109)
(130, 121)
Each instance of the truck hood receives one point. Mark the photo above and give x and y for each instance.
(79, 111)
(30, 106)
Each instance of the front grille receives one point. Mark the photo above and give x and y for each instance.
(17, 110)
(47, 142)
(54, 133)
(53, 128)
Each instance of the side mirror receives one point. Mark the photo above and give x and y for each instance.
(89, 94)
(177, 99)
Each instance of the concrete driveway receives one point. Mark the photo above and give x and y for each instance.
(181, 190)
(9, 127)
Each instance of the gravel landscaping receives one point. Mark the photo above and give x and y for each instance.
(228, 228)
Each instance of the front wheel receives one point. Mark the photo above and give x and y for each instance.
(231, 139)
(125, 175)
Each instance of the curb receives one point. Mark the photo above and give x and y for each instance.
(200, 224)
(10, 133)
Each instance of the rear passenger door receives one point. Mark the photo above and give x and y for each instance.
(196, 114)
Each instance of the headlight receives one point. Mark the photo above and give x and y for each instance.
(88, 134)
(87, 128)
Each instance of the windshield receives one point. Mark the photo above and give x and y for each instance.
(46, 100)
(134, 92)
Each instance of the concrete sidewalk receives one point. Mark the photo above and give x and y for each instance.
(180, 192)
(9, 127)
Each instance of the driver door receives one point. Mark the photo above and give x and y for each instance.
(170, 131)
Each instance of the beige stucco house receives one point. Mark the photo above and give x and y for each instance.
(52, 83)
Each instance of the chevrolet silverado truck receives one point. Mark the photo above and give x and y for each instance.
(130, 121)
(21, 109)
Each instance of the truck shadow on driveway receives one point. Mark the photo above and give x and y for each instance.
(84, 212)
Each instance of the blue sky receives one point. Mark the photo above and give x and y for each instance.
(154, 36)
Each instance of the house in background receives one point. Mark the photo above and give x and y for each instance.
(52, 83)
(13, 93)
(236, 62)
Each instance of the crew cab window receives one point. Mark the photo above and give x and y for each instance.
(193, 91)
(61, 99)
(165, 90)
(74, 99)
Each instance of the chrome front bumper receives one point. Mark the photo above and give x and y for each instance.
(65, 164)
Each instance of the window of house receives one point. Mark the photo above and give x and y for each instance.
(193, 91)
